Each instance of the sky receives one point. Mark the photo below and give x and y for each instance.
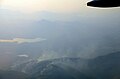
(45, 5)
(41, 5)
(65, 9)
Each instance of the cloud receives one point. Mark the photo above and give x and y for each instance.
(22, 40)
(24, 55)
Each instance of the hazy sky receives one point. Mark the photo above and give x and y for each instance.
(58, 6)
(49, 5)
(52, 10)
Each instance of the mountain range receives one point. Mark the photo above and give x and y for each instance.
(103, 67)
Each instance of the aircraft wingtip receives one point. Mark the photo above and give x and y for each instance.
(103, 3)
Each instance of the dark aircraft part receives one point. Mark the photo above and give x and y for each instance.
(104, 3)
